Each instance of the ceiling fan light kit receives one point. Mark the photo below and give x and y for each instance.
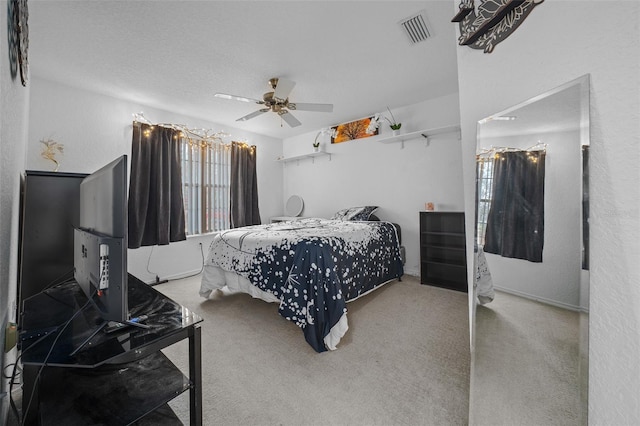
(277, 101)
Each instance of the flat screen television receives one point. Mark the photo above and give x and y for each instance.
(100, 241)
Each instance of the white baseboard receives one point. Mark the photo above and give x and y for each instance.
(542, 299)
(412, 272)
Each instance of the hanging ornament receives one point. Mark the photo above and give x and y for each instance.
(492, 22)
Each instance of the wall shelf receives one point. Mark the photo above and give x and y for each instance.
(311, 155)
(420, 134)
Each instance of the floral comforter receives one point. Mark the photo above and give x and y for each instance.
(311, 266)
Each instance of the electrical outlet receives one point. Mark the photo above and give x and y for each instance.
(10, 336)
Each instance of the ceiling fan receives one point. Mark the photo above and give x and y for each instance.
(278, 102)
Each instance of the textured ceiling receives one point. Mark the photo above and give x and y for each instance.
(174, 55)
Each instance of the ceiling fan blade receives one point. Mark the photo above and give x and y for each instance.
(310, 107)
(290, 119)
(237, 98)
(283, 88)
(253, 114)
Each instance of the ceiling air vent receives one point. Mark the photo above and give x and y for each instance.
(416, 27)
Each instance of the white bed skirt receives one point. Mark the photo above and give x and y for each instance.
(214, 278)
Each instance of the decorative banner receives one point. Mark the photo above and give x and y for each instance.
(495, 21)
(352, 130)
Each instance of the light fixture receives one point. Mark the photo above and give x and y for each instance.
(233, 97)
(498, 118)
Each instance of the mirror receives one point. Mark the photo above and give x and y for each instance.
(294, 206)
(531, 288)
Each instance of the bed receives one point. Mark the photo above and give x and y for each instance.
(483, 281)
(312, 267)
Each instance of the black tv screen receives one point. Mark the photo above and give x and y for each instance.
(103, 200)
(100, 242)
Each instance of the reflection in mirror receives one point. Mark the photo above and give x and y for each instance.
(530, 296)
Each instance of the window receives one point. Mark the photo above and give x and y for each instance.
(484, 176)
(205, 178)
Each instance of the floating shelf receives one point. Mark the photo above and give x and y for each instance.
(426, 134)
(304, 156)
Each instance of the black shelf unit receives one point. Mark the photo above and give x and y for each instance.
(138, 389)
(118, 378)
(443, 257)
(49, 211)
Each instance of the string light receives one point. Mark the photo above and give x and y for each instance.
(203, 140)
(245, 145)
(532, 157)
(198, 138)
(532, 152)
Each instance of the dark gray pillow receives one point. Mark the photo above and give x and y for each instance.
(354, 213)
(365, 213)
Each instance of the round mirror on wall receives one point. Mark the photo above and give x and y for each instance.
(294, 206)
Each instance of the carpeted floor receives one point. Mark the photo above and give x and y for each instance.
(404, 361)
(526, 367)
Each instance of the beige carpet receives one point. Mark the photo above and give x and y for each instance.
(404, 360)
(526, 368)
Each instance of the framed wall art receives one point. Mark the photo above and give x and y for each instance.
(352, 130)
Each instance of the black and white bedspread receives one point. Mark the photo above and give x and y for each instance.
(312, 267)
(483, 282)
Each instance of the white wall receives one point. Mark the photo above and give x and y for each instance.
(398, 180)
(96, 129)
(558, 42)
(14, 104)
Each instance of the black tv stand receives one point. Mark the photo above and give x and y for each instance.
(81, 378)
(114, 326)
(104, 326)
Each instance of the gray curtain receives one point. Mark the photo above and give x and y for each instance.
(244, 186)
(515, 223)
(156, 209)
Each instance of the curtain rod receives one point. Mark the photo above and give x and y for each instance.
(201, 134)
(497, 149)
